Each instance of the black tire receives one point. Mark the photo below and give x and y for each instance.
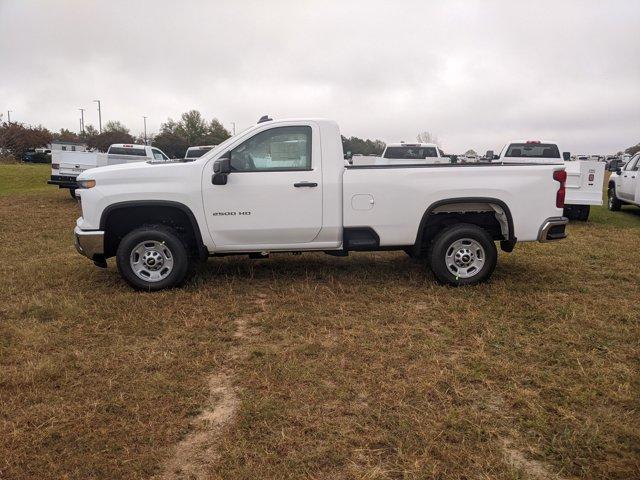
(442, 248)
(571, 212)
(72, 192)
(168, 241)
(613, 204)
(584, 213)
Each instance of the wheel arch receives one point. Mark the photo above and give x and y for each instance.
(463, 205)
(135, 213)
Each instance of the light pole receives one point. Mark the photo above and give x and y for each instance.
(234, 127)
(9, 116)
(145, 129)
(99, 116)
(81, 119)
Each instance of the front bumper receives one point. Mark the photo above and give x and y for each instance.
(89, 243)
(553, 229)
(63, 181)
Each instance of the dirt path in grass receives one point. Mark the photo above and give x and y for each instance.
(196, 452)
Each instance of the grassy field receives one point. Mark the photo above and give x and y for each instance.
(316, 367)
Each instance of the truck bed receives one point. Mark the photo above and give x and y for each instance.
(393, 198)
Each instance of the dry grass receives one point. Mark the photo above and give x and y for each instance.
(337, 368)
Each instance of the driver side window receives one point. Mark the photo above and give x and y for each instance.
(276, 149)
(634, 163)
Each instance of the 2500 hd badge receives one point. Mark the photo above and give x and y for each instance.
(225, 214)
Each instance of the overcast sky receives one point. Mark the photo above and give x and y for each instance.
(475, 73)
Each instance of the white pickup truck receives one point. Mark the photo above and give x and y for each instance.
(67, 165)
(197, 151)
(283, 186)
(585, 178)
(624, 185)
(404, 153)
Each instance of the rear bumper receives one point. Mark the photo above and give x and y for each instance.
(89, 243)
(553, 228)
(63, 181)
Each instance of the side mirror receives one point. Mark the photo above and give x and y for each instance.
(619, 170)
(566, 156)
(221, 170)
(489, 155)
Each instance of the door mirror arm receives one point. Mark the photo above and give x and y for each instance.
(221, 169)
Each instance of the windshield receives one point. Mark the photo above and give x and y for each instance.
(230, 140)
(533, 150)
(410, 153)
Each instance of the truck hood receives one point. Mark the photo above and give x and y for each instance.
(130, 170)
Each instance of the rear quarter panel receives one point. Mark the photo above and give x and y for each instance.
(398, 197)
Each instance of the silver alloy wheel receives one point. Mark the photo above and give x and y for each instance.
(151, 260)
(465, 258)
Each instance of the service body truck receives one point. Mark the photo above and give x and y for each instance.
(67, 165)
(624, 185)
(585, 178)
(283, 186)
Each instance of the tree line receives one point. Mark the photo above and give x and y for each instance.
(174, 137)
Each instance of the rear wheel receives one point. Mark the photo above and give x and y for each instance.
(583, 216)
(153, 258)
(464, 254)
(614, 204)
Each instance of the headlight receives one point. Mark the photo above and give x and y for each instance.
(86, 183)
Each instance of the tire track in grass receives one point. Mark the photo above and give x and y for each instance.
(196, 453)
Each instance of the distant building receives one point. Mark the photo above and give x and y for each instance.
(68, 146)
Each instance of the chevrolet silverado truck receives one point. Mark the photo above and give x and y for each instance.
(624, 185)
(283, 186)
(585, 178)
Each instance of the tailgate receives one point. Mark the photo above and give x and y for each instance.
(585, 180)
(74, 163)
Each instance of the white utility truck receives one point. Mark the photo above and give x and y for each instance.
(283, 186)
(624, 185)
(67, 165)
(197, 151)
(585, 178)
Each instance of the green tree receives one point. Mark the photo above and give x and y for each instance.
(470, 152)
(115, 126)
(192, 129)
(66, 136)
(359, 146)
(113, 132)
(633, 150)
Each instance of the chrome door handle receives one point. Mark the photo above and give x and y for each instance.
(305, 184)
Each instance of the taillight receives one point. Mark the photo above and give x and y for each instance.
(55, 166)
(560, 176)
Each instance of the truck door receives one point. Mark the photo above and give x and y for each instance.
(273, 194)
(629, 179)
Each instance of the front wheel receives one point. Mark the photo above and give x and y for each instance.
(464, 254)
(153, 258)
(614, 204)
(72, 192)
